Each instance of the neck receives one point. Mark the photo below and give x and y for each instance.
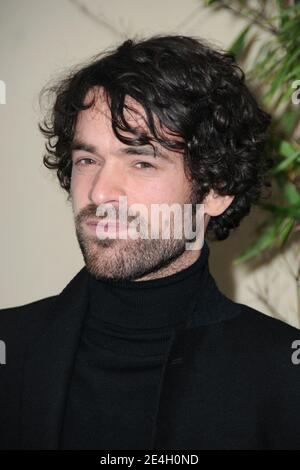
(186, 259)
(154, 303)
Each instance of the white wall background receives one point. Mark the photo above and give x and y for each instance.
(38, 40)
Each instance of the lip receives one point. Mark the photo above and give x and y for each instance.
(92, 222)
(107, 226)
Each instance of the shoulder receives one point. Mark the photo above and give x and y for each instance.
(22, 323)
(27, 310)
(266, 345)
(19, 323)
(252, 340)
(252, 329)
(256, 324)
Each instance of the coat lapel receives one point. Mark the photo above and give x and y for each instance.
(48, 366)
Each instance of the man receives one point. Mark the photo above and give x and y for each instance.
(141, 350)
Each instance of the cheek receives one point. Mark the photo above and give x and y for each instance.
(79, 193)
(166, 190)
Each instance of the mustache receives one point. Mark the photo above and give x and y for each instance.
(90, 212)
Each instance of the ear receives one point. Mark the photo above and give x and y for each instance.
(215, 204)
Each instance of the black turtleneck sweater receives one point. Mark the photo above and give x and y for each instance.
(113, 394)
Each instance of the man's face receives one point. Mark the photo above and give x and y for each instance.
(104, 169)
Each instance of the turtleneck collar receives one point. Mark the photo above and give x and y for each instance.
(151, 304)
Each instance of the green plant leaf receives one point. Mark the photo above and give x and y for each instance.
(288, 120)
(290, 193)
(288, 151)
(238, 45)
(290, 211)
(276, 65)
(284, 231)
(210, 2)
(265, 240)
(276, 83)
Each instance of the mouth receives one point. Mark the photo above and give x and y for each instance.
(106, 226)
(92, 222)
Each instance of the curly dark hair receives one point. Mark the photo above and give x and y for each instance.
(195, 90)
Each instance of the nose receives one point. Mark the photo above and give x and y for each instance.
(108, 184)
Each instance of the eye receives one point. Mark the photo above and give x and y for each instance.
(148, 165)
(81, 160)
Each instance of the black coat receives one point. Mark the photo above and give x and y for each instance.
(228, 382)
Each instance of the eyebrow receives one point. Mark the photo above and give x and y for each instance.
(127, 150)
